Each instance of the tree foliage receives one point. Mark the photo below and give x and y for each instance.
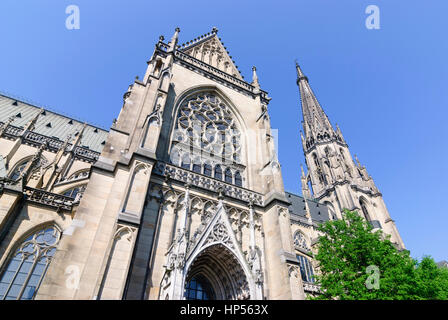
(348, 247)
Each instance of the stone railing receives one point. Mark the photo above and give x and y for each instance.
(310, 287)
(206, 182)
(86, 154)
(55, 200)
(53, 144)
(12, 131)
(38, 139)
(162, 46)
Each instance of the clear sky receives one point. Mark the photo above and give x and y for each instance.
(386, 88)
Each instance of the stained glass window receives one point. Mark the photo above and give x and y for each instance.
(206, 126)
(18, 170)
(238, 179)
(228, 176)
(306, 269)
(218, 172)
(198, 288)
(28, 265)
(208, 170)
(300, 241)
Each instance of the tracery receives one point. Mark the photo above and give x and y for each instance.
(207, 140)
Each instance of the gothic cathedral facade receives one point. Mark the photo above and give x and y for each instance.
(182, 198)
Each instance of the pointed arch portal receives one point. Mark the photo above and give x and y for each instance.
(216, 273)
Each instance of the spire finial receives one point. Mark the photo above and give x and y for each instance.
(214, 30)
(255, 77)
(300, 74)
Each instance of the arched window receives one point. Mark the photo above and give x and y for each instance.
(306, 269)
(199, 288)
(15, 174)
(238, 179)
(73, 192)
(316, 162)
(300, 241)
(205, 122)
(320, 174)
(228, 176)
(186, 161)
(331, 211)
(28, 265)
(175, 157)
(79, 174)
(208, 170)
(342, 154)
(218, 172)
(197, 165)
(364, 210)
(346, 163)
(310, 186)
(18, 169)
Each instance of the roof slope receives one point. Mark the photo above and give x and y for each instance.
(318, 211)
(49, 123)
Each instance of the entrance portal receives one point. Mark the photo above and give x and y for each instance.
(217, 274)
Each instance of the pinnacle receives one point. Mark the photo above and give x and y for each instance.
(300, 74)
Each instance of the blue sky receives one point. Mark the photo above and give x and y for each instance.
(385, 88)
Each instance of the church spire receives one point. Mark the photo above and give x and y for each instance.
(316, 124)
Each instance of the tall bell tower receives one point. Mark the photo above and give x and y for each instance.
(333, 177)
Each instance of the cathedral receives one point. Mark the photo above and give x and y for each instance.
(183, 197)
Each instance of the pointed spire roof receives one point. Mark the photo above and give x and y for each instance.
(315, 121)
(300, 74)
(210, 49)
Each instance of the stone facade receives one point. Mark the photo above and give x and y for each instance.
(182, 198)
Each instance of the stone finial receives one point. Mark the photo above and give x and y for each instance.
(255, 77)
(303, 172)
(214, 30)
(161, 38)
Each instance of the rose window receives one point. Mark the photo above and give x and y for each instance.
(206, 139)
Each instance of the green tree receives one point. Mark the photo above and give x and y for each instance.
(348, 247)
(432, 280)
